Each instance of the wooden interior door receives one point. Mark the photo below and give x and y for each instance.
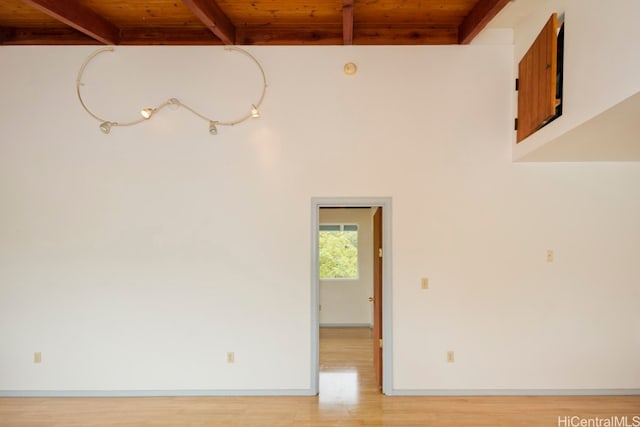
(377, 294)
(537, 81)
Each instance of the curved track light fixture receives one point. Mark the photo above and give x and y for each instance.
(147, 113)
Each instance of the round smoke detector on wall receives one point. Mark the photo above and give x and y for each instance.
(350, 68)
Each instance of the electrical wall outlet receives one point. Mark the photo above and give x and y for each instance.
(549, 255)
(450, 356)
(37, 357)
(231, 357)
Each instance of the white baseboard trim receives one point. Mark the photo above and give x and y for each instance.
(520, 392)
(345, 325)
(153, 393)
(308, 392)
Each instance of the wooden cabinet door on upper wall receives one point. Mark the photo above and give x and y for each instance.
(537, 81)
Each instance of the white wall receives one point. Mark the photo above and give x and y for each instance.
(135, 261)
(344, 302)
(601, 69)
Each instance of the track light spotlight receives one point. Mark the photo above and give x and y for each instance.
(146, 113)
(213, 130)
(172, 103)
(105, 127)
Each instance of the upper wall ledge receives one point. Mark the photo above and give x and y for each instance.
(613, 135)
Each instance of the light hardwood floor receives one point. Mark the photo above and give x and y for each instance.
(348, 397)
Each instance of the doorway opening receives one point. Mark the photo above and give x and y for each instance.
(351, 297)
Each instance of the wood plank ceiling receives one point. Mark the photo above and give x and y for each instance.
(252, 22)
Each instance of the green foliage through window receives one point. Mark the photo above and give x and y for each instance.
(338, 251)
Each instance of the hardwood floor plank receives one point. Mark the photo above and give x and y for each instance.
(350, 397)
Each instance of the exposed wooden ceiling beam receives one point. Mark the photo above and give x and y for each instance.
(44, 36)
(81, 18)
(247, 35)
(406, 35)
(168, 36)
(332, 34)
(214, 18)
(289, 35)
(347, 21)
(483, 12)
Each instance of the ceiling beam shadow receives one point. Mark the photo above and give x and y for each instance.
(45, 36)
(4, 34)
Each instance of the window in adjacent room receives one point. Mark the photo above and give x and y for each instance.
(338, 251)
